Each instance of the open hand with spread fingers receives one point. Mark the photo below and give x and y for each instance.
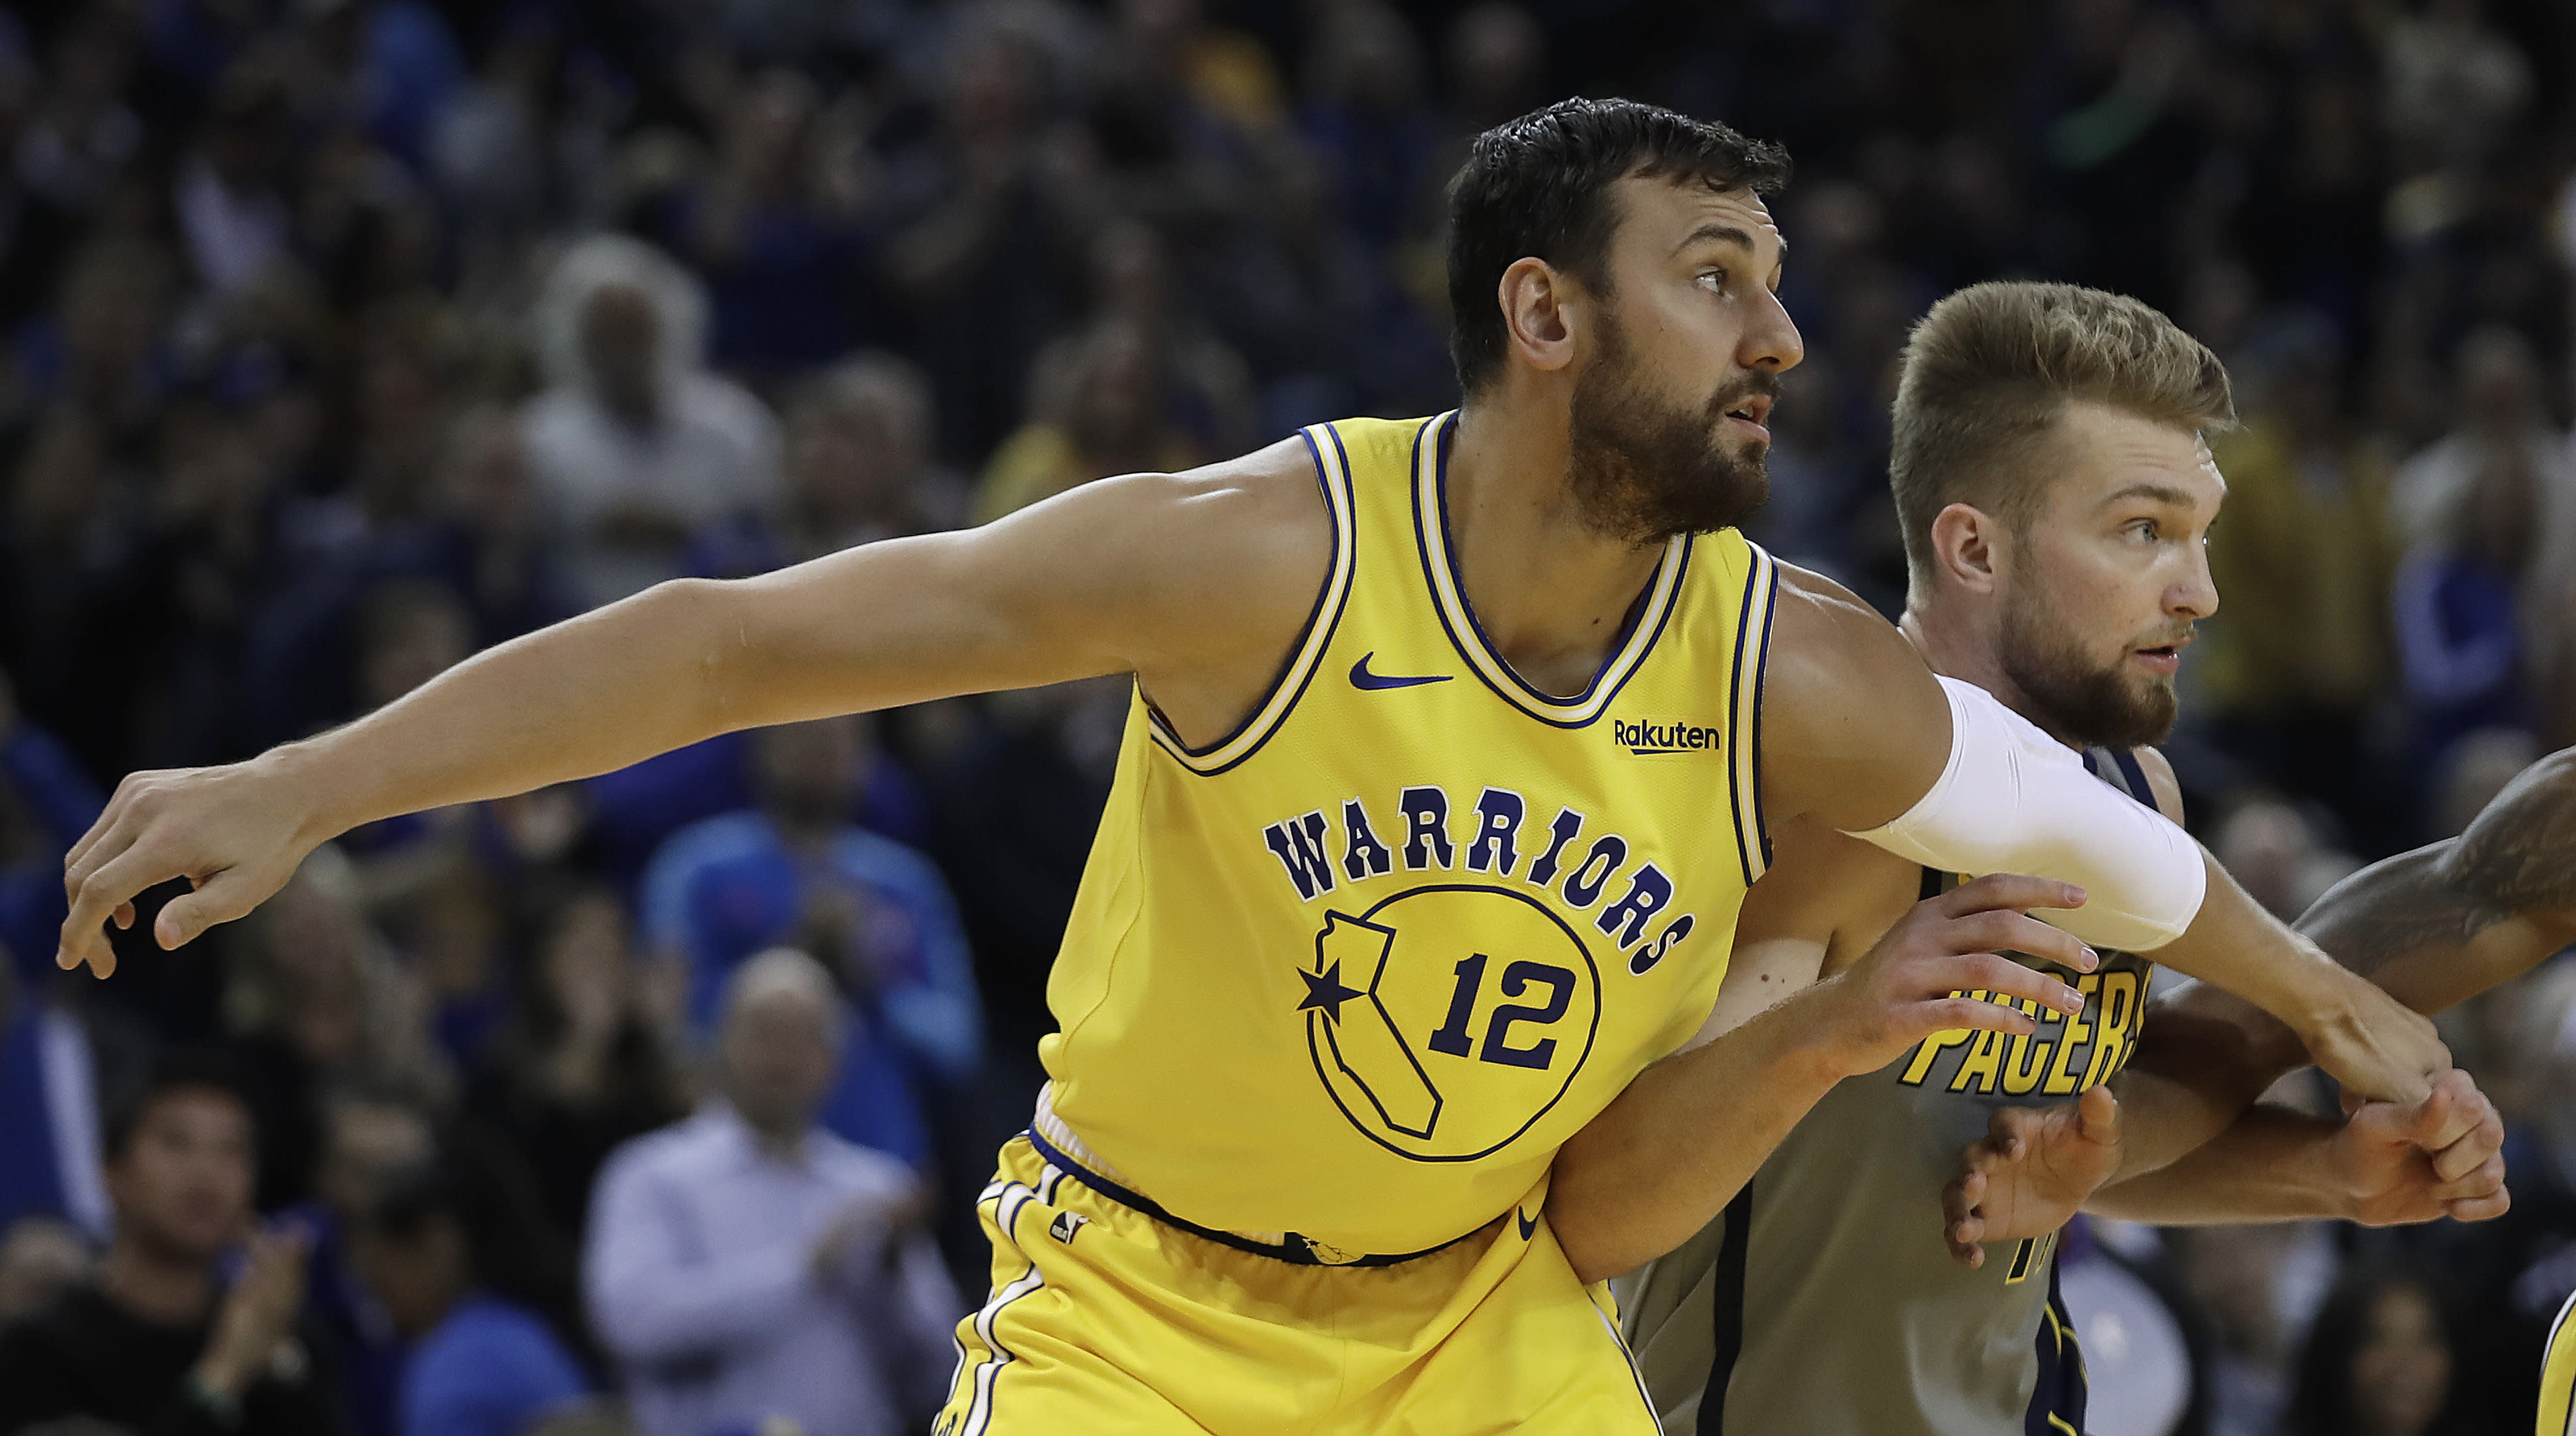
(2030, 1173)
(1915, 981)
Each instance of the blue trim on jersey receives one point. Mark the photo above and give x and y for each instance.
(1345, 538)
(1761, 675)
(1448, 426)
(1727, 1291)
(2057, 1399)
(1735, 717)
(2139, 787)
(1296, 1251)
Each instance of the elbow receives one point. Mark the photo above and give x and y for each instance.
(700, 622)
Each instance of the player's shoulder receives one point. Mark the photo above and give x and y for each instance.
(1247, 521)
(2161, 782)
(1854, 728)
(1827, 642)
(1223, 554)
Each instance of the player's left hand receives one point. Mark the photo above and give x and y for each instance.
(2031, 1173)
(2439, 1157)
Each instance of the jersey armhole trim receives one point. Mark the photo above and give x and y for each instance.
(1744, 715)
(1332, 474)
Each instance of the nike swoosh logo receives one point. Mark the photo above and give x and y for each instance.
(1529, 1225)
(1362, 678)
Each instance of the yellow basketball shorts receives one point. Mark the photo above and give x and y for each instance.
(2558, 1375)
(1105, 1321)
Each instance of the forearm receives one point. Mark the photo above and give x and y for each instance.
(2234, 945)
(2195, 1074)
(1663, 1160)
(2272, 1164)
(583, 697)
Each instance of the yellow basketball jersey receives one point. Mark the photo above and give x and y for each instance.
(1358, 969)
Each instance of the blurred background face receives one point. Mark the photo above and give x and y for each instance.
(182, 1185)
(1667, 434)
(781, 1047)
(2402, 1370)
(854, 451)
(806, 770)
(2109, 578)
(585, 964)
(417, 1275)
(365, 1145)
(621, 340)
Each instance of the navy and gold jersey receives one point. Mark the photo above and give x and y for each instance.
(1355, 970)
(1824, 1302)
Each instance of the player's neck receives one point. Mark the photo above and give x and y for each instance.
(1954, 650)
(1551, 594)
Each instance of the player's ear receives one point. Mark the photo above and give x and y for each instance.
(1966, 544)
(1535, 298)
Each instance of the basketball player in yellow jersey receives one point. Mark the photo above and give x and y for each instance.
(2558, 1376)
(1453, 749)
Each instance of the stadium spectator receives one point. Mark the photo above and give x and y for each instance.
(1103, 401)
(2299, 649)
(634, 445)
(452, 1253)
(746, 1265)
(2379, 1359)
(875, 912)
(316, 1001)
(41, 1258)
(160, 1342)
(2462, 632)
(797, 870)
(584, 1063)
(775, 228)
(858, 467)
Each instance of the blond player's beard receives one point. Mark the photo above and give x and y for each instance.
(2096, 706)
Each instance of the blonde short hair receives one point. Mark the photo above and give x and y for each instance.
(1988, 372)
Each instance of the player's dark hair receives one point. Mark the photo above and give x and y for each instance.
(1989, 370)
(183, 1069)
(1540, 186)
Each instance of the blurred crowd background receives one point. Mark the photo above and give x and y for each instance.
(342, 338)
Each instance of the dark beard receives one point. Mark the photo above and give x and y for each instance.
(1644, 471)
(2084, 702)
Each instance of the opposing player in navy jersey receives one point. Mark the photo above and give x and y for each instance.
(2055, 491)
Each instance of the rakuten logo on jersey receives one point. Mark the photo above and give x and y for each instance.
(1652, 737)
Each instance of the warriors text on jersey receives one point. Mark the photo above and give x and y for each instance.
(1824, 1301)
(1357, 969)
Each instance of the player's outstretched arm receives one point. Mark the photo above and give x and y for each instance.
(1857, 733)
(1666, 1156)
(1196, 582)
(2433, 927)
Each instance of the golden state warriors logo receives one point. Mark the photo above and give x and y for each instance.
(1449, 1018)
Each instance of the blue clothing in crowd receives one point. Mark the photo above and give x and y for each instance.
(488, 1369)
(64, 802)
(722, 890)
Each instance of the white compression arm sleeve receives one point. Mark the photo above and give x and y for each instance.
(2014, 800)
